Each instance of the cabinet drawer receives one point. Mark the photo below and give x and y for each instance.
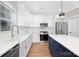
(28, 46)
(25, 46)
(26, 41)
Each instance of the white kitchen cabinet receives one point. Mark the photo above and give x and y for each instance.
(25, 46)
(13, 17)
(20, 14)
(73, 26)
(34, 20)
(36, 37)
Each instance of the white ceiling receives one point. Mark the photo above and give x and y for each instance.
(43, 7)
(48, 7)
(68, 6)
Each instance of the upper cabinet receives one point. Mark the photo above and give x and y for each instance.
(5, 18)
(21, 14)
(34, 20)
(5, 13)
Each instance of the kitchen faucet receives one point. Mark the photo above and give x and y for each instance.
(12, 35)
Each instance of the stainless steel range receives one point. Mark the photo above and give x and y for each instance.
(43, 35)
(43, 32)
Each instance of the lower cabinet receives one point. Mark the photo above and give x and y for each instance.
(58, 50)
(25, 46)
(13, 52)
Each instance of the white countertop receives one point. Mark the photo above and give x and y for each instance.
(7, 44)
(70, 42)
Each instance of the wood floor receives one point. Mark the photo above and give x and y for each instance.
(39, 50)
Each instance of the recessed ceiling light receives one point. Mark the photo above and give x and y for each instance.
(43, 9)
(36, 8)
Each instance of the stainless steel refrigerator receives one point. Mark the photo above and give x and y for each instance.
(61, 28)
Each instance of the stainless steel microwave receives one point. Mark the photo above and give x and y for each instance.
(43, 24)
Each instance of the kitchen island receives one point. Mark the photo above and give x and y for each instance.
(63, 45)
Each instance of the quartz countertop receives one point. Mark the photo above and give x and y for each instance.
(70, 42)
(7, 44)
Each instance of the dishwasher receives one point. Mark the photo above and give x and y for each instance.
(13, 52)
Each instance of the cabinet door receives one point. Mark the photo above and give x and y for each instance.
(58, 50)
(36, 37)
(22, 50)
(20, 14)
(29, 44)
(5, 17)
(51, 45)
(73, 27)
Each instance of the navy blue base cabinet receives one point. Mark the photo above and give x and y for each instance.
(58, 50)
